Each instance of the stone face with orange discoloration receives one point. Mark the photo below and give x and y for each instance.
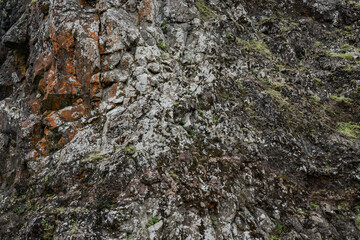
(67, 136)
(72, 113)
(146, 11)
(52, 120)
(71, 64)
(95, 88)
(43, 146)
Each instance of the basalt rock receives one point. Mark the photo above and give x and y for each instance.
(182, 119)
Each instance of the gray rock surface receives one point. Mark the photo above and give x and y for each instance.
(183, 119)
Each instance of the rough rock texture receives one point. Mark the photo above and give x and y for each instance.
(180, 119)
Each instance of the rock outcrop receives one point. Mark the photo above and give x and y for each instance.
(180, 119)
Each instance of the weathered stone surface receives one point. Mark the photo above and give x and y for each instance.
(179, 119)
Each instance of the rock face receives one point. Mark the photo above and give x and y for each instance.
(179, 119)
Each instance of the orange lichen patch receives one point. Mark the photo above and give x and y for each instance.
(72, 134)
(49, 142)
(53, 38)
(63, 46)
(72, 113)
(62, 41)
(71, 71)
(67, 115)
(43, 146)
(69, 67)
(52, 120)
(105, 63)
(47, 131)
(92, 34)
(50, 75)
(81, 174)
(95, 79)
(102, 48)
(56, 46)
(65, 139)
(86, 79)
(108, 27)
(32, 156)
(211, 205)
(145, 11)
(47, 80)
(95, 89)
(35, 155)
(62, 142)
(68, 85)
(35, 105)
(43, 85)
(113, 40)
(95, 104)
(79, 101)
(52, 85)
(113, 91)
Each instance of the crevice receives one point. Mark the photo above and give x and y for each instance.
(5, 91)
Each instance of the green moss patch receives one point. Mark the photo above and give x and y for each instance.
(350, 129)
